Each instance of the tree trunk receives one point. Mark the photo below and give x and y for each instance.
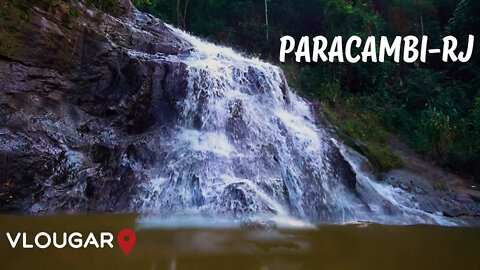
(266, 16)
(185, 16)
(178, 12)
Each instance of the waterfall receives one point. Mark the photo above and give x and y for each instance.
(244, 147)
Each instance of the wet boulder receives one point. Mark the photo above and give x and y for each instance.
(82, 100)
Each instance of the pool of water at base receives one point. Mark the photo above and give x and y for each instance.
(355, 246)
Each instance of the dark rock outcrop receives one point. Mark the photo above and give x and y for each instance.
(83, 97)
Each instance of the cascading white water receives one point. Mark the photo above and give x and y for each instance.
(246, 148)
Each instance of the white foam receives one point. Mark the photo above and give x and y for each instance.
(205, 142)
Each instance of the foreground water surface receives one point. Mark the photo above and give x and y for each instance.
(224, 247)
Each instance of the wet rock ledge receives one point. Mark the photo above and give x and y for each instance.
(80, 91)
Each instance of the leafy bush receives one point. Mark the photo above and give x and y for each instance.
(434, 134)
(108, 6)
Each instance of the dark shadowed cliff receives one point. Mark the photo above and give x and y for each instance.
(76, 100)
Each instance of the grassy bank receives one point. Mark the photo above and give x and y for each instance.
(363, 132)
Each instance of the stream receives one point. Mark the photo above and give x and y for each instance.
(324, 247)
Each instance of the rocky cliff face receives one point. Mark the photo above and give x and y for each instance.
(115, 111)
(86, 97)
(78, 103)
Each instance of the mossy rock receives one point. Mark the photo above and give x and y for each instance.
(14, 15)
(107, 6)
(363, 133)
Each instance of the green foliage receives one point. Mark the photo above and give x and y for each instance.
(73, 12)
(13, 16)
(292, 74)
(440, 187)
(108, 6)
(434, 133)
(433, 106)
(362, 131)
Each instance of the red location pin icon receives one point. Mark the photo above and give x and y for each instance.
(126, 239)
